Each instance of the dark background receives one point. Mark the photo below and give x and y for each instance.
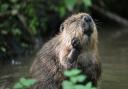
(25, 24)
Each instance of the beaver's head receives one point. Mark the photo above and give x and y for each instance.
(78, 34)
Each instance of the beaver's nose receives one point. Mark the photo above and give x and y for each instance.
(88, 19)
(88, 30)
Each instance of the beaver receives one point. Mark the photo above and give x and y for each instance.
(76, 46)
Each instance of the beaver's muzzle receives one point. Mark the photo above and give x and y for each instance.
(88, 25)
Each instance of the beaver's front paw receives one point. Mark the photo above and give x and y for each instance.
(76, 43)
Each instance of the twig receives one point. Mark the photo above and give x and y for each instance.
(111, 15)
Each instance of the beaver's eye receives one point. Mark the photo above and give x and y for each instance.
(61, 27)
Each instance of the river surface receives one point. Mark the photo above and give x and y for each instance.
(113, 44)
(114, 57)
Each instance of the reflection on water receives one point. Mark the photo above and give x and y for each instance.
(10, 73)
(114, 57)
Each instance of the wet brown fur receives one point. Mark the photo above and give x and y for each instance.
(51, 60)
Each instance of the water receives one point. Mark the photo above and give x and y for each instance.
(114, 56)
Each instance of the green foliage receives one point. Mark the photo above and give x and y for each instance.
(72, 72)
(87, 3)
(23, 20)
(13, 8)
(62, 11)
(24, 83)
(19, 23)
(33, 22)
(16, 31)
(70, 4)
(75, 77)
(4, 7)
(3, 49)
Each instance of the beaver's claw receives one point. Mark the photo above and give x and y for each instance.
(76, 43)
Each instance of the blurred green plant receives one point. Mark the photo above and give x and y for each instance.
(23, 22)
(33, 22)
(70, 5)
(15, 8)
(24, 83)
(19, 24)
(75, 78)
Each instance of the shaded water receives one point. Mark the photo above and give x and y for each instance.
(114, 57)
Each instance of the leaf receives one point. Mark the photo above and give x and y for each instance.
(18, 86)
(24, 45)
(62, 11)
(14, 11)
(67, 85)
(16, 31)
(30, 10)
(73, 79)
(13, 1)
(79, 87)
(4, 31)
(17, 6)
(72, 72)
(33, 25)
(3, 49)
(70, 4)
(24, 83)
(27, 82)
(87, 3)
(88, 85)
(4, 7)
(93, 88)
(79, 78)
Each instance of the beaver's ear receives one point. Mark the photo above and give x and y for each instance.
(61, 27)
